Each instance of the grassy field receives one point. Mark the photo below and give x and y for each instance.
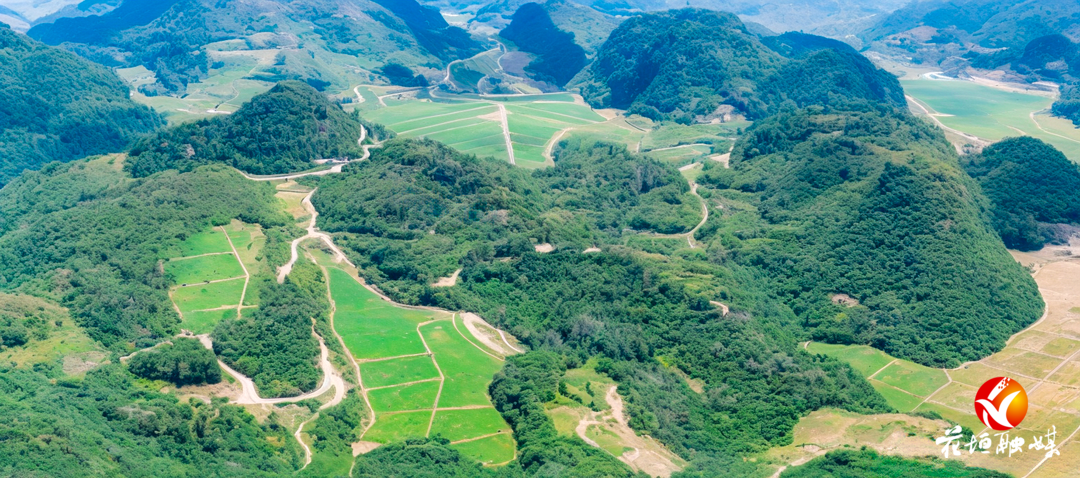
(993, 114)
(208, 296)
(200, 302)
(403, 381)
(474, 124)
(394, 371)
(203, 268)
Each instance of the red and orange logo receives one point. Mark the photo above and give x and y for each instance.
(1001, 403)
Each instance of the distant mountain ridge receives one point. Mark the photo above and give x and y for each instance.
(697, 65)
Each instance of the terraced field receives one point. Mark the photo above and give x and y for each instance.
(213, 273)
(423, 372)
(1044, 358)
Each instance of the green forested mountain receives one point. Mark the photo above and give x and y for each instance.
(279, 131)
(55, 106)
(558, 57)
(1031, 185)
(692, 65)
(169, 37)
(866, 463)
(873, 204)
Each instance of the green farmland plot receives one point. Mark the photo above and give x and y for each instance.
(204, 268)
(904, 384)
(400, 370)
(203, 322)
(207, 242)
(417, 396)
(209, 296)
(414, 392)
(467, 369)
(993, 114)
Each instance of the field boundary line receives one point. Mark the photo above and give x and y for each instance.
(935, 391)
(247, 275)
(561, 114)
(453, 320)
(444, 409)
(467, 118)
(215, 281)
(349, 355)
(1037, 125)
(382, 359)
(405, 384)
(883, 368)
(481, 437)
(184, 258)
(442, 378)
(439, 116)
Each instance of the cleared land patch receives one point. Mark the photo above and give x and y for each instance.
(204, 268)
(417, 396)
(395, 371)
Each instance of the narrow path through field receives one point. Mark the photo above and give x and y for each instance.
(934, 117)
(1037, 125)
(247, 276)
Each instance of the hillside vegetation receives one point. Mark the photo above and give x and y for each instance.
(55, 106)
(279, 131)
(873, 204)
(695, 65)
(1031, 185)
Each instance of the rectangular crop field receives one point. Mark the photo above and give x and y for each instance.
(396, 426)
(467, 369)
(537, 113)
(204, 268)
(395, 371)
(575, 110)
(913, 378)
(419, 111)
(370, 326)
(903, 402)
(418, 396)
(204, 322)
(446, 119)
(457, 425)
(205, 243)
(490, 450)
(208, 296)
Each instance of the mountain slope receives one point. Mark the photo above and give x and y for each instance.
(694, 65)
(873, 204)
(558, 57)
(55, 106)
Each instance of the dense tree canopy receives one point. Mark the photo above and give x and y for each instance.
(1029, 182)
(873, 204)
(55, 106)
(279, 131)
(183, 361)
(687, 64)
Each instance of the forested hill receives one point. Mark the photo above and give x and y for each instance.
(169, 37)
(55, 106)
(1032, 187)
(279, 131)
(693, 65)
(558, 57)
(872, 203)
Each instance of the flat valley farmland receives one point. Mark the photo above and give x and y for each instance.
(518, 129)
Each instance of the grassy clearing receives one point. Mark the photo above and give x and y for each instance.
(370, 326)
(674, 134)
(467, 370)
(397, 426)
(912, 377)
(901, 401)
(1023, 362)
(418, 111)
(205, 268)
(417, 396)
(457, 425)
(566, 419)
(991, 113)
(864, 359)
(491, 450)
(205, 243)
(249, 241)
(208, 296)
(392, 372)
(607, 439)
(204, 322)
